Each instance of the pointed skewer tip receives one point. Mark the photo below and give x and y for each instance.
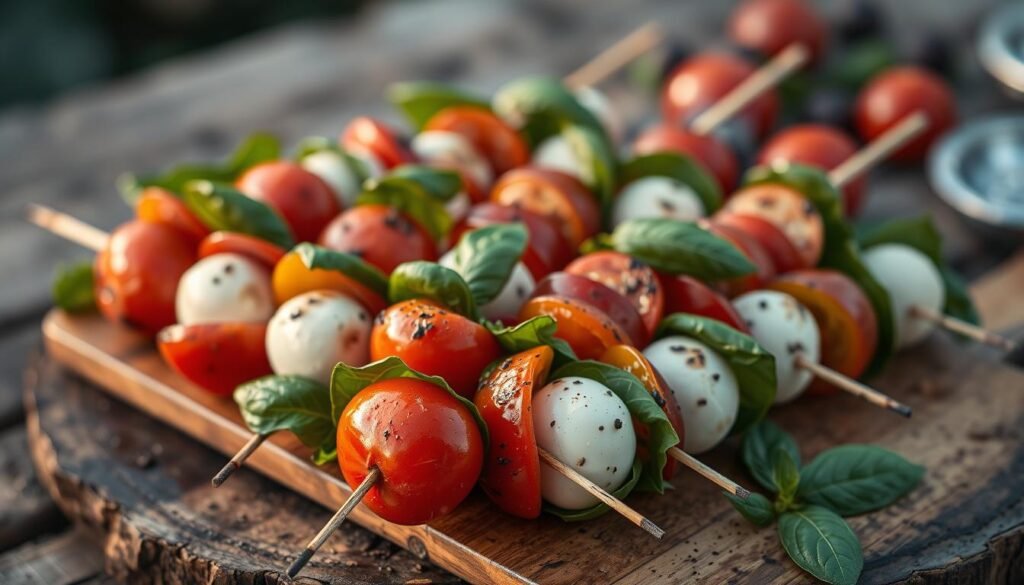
(296, 567)
(652, 528)
(224, 474)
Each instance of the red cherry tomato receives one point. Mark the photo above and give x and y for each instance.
(303, 199)
(256, 249)
(609, 302)
(156, 205)
(713, 154)
(364, 134)
(754, 252)
(783, 253)
(498, 142)
(137, 274)
(379, 234)
(895, 94)
(769, 26)
(789, 211)
(552, 194)
(546, 248)
(584, 327)
(685, 294)
(217, 357)
(511, 477)
(700, 81)
(630, 278)
(425, 443)
(436, 342)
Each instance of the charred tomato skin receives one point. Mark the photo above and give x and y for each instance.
(630, 278)
(217, 357)
(381, 235)
(609, 302)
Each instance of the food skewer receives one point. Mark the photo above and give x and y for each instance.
(68, 227)
(236, 461)
(615, 57)
(708, 473)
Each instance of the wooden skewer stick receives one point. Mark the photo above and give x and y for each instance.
(963, 328)
(710, 474)
(68, 227)
(239, 458)
(852, 386)
(879, 149)
(596, 491)
(335, 521)
(616, 56)
(765, 78)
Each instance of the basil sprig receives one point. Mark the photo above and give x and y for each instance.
(222, 207)
(677, 167)
(854, 479)
(422, 100)
(441, 184)
(319, 258)
(759, 446)
(485, 258)
(290, 403)
(74, 287)
(679, 247)
(541, 107)
(427, 280)
(412, 198)
(539, 330)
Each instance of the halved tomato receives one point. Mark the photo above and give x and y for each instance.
(552, 194)
(783, 253)
(754, 252)
(630, 278)
(789, 211)
(253, 248)
(381, 235)
(217, 357)
(596, 294)
(685, 294)
(364, 134)
(498, 142)
(715, 156)
(291, 278)
(156, 205)
(584, 327)
(546, 247)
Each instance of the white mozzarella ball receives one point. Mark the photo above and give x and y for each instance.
(510, 298)
(450, 148)
(588, 427)
(911, 279)
(783, 327)
(224, 287)
(703, 385)
(556, 153)
(657, 197)
(338, 173)
(601, 107)
(314, 331)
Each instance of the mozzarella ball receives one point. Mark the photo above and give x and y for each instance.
(314, 331)
(657, 197)
(556, 153)
(601, 107)
(450, 148)
(510, 298)
(337, 172)
(224, 287)
(588, 427)
(911, 279)
(784, 328)
(703, 385)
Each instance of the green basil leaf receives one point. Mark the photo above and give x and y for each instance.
(854, 479)
(540, 107)
(539, 330)
(485, 258)
(352, 266)
(752, 365)
(822, 543)
(74, 287)
(860, 62)
(288, 403)
(679, 168)
(412, 199)
(442, 184)
(757, 509)
(422, 100)
(602, 508)
(660, 437)
(679, 247)
(958, 299)
(326, 453)
(222, 207)
(841, 251)
(759, 444)
(426, 280)
(785, 475)
(596, 159)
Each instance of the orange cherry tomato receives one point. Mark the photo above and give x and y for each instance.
(789, 211)
(381, 235)
(715, 156)
(753, 250)
(217, 357)
(137, 274)
(546, 248)
(291, 278)
(769, 26)
(364, 134)
(156, 205)
(435, 341)
(498, 142)
(845, 317)
(606, 300)
(585, 328)
(303, 199)
(630, 278)
(783, 253)
(425, 443)
(254, 248)
(511, 477)
(685, 294)
(551, 194)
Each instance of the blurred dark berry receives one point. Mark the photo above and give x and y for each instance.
(932, 50)
(830, 106)
(859, 19)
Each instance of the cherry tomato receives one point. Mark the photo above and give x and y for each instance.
(381, 235)
(716, 157)
(630, 278)
(584, 327)
(546, 248)
(425, 443)
(256, 249)
(511, 477)
(897, 93)
(685, 294)
(137, 273)
(217, 357)
(291, 278)
(436, 342)
(845, 317)
(609, 302)
(818, 146)
(156, 205)
(700, 81)
(551, 194)
(769, 26)
(783, 253)
(374, 137)
(303, 199)
(498, 142)
(789, 211)
(753, 250)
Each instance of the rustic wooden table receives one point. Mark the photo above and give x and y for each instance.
(296, 81)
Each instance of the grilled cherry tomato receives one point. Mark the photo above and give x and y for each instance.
(584, 327)
(630, 278)
(818, 146)
(716, 157)
(304, 200)
(546, 248)
(769, 26)
(364, 134)
(685, 294)
(425, 443)
(436, 342)
(492, 137)
(789, 211)
(256, 249)
(551, 194)
(381, 235)
(511, 476)
(291, 278)
(782, 252)
(897, 93)
(156, 205)
(217, 357)
(609, 302)
(754, 252)
(700, 81)
(137, 273)
(845, 317)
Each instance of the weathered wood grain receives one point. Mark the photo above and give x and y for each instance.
(26, 510)
(67, 559)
